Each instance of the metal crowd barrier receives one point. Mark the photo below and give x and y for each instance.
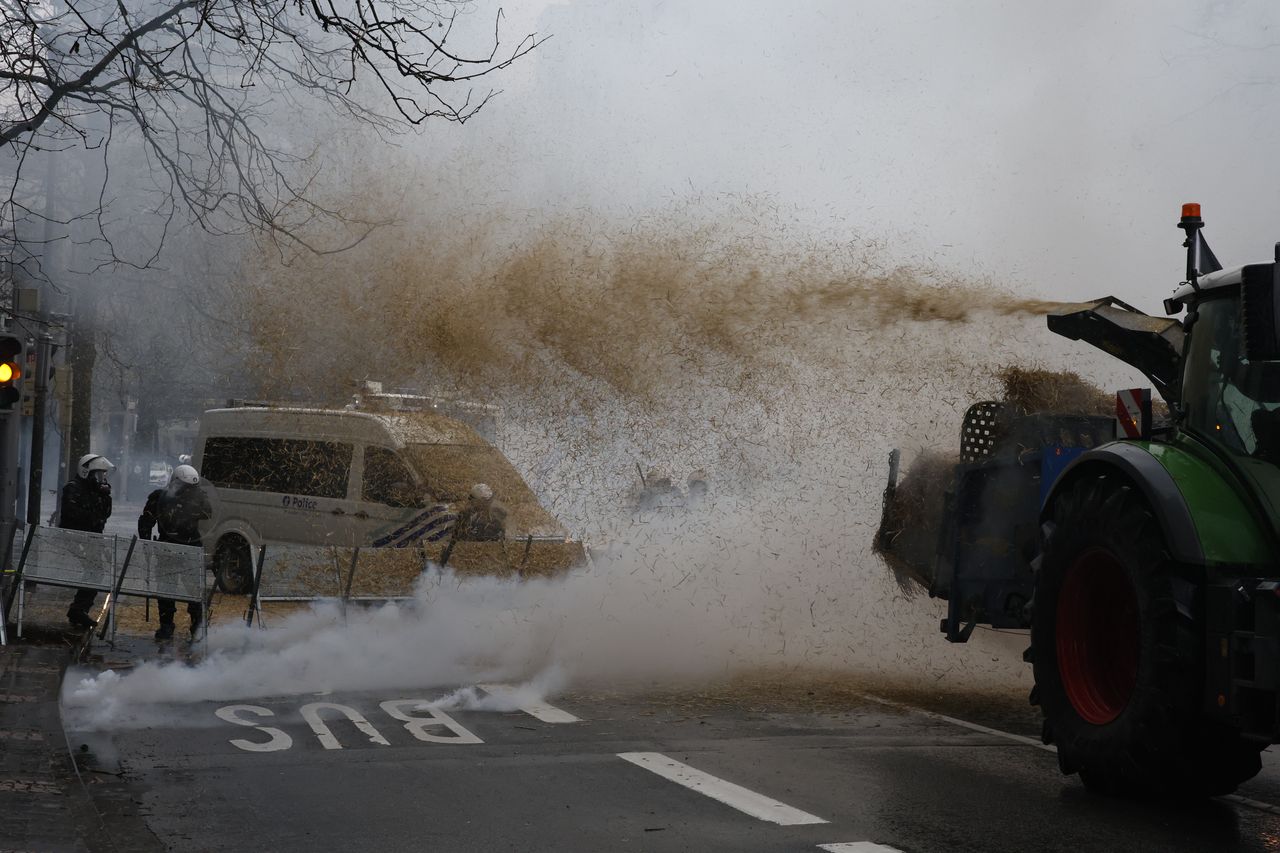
(304, 573)
(300, 573)
(111, 564)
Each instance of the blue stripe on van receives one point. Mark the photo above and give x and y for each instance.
(436, 528)
(434, 517)
(407, 526)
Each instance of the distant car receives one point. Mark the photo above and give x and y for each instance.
(160, 474)
(348, 478)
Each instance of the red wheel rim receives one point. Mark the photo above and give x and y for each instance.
(1097, 632)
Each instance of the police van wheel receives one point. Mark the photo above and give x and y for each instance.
(233, 565)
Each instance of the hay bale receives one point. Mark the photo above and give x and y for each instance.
(1056, 392)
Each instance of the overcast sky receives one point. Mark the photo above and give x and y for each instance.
(1046, 145)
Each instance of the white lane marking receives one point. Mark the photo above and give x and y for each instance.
(858, 847)
(1048, 747)
(756, 805)
(1027, 741)
(1253, 804)
(538, 710)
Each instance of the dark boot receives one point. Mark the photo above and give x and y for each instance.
(78, 612)
(80, 619)
(196, 612)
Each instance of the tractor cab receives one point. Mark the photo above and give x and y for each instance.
(1231, 375)
(1231, 390)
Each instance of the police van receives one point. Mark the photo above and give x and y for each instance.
(316, 477)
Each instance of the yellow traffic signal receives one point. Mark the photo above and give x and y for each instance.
(11, 350)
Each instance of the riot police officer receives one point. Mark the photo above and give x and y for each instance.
(177, 510)
(86, 505)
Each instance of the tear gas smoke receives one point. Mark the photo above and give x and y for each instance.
(697, 597)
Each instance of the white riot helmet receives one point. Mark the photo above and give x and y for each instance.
(186, 474)
(481, 492)
(91, 462)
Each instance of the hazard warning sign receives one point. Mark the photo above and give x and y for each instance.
(1133, 413)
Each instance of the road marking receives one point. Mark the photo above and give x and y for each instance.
(1048, 747)
(756, 805)
(278, 739)
(538, 710)
(420, 726)
(1026, 741)
(1253, 804)
(311, 713)
(858, 847)
(417, 726)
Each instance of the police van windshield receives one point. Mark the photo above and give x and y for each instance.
(1231, 400)
(448, 472)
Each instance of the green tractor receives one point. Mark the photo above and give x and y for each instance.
(1143, 556)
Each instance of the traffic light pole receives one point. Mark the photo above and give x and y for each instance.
(44, 348)
(11, 366)
(9, 431)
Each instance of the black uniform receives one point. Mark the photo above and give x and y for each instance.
(178, 514)
(86, 505)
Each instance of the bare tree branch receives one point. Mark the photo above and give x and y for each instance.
(195, 88)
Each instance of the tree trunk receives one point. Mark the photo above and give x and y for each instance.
(83, 356)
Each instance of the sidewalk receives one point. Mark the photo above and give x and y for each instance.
(43, 804)
(46, 801)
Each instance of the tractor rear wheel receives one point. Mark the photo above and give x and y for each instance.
(1118, 650)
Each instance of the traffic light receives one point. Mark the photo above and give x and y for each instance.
(11, 364)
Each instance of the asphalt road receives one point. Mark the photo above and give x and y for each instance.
(374, 771)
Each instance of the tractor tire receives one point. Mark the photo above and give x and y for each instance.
(1118, 653)
(233, 565)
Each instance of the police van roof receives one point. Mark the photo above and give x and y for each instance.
(401, 428)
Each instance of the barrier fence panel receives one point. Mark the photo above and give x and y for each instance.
(310, 573)
(73, 558)
(302, 573)
(164, 570)
(83, 560)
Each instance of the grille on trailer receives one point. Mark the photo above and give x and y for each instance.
(983, 424)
